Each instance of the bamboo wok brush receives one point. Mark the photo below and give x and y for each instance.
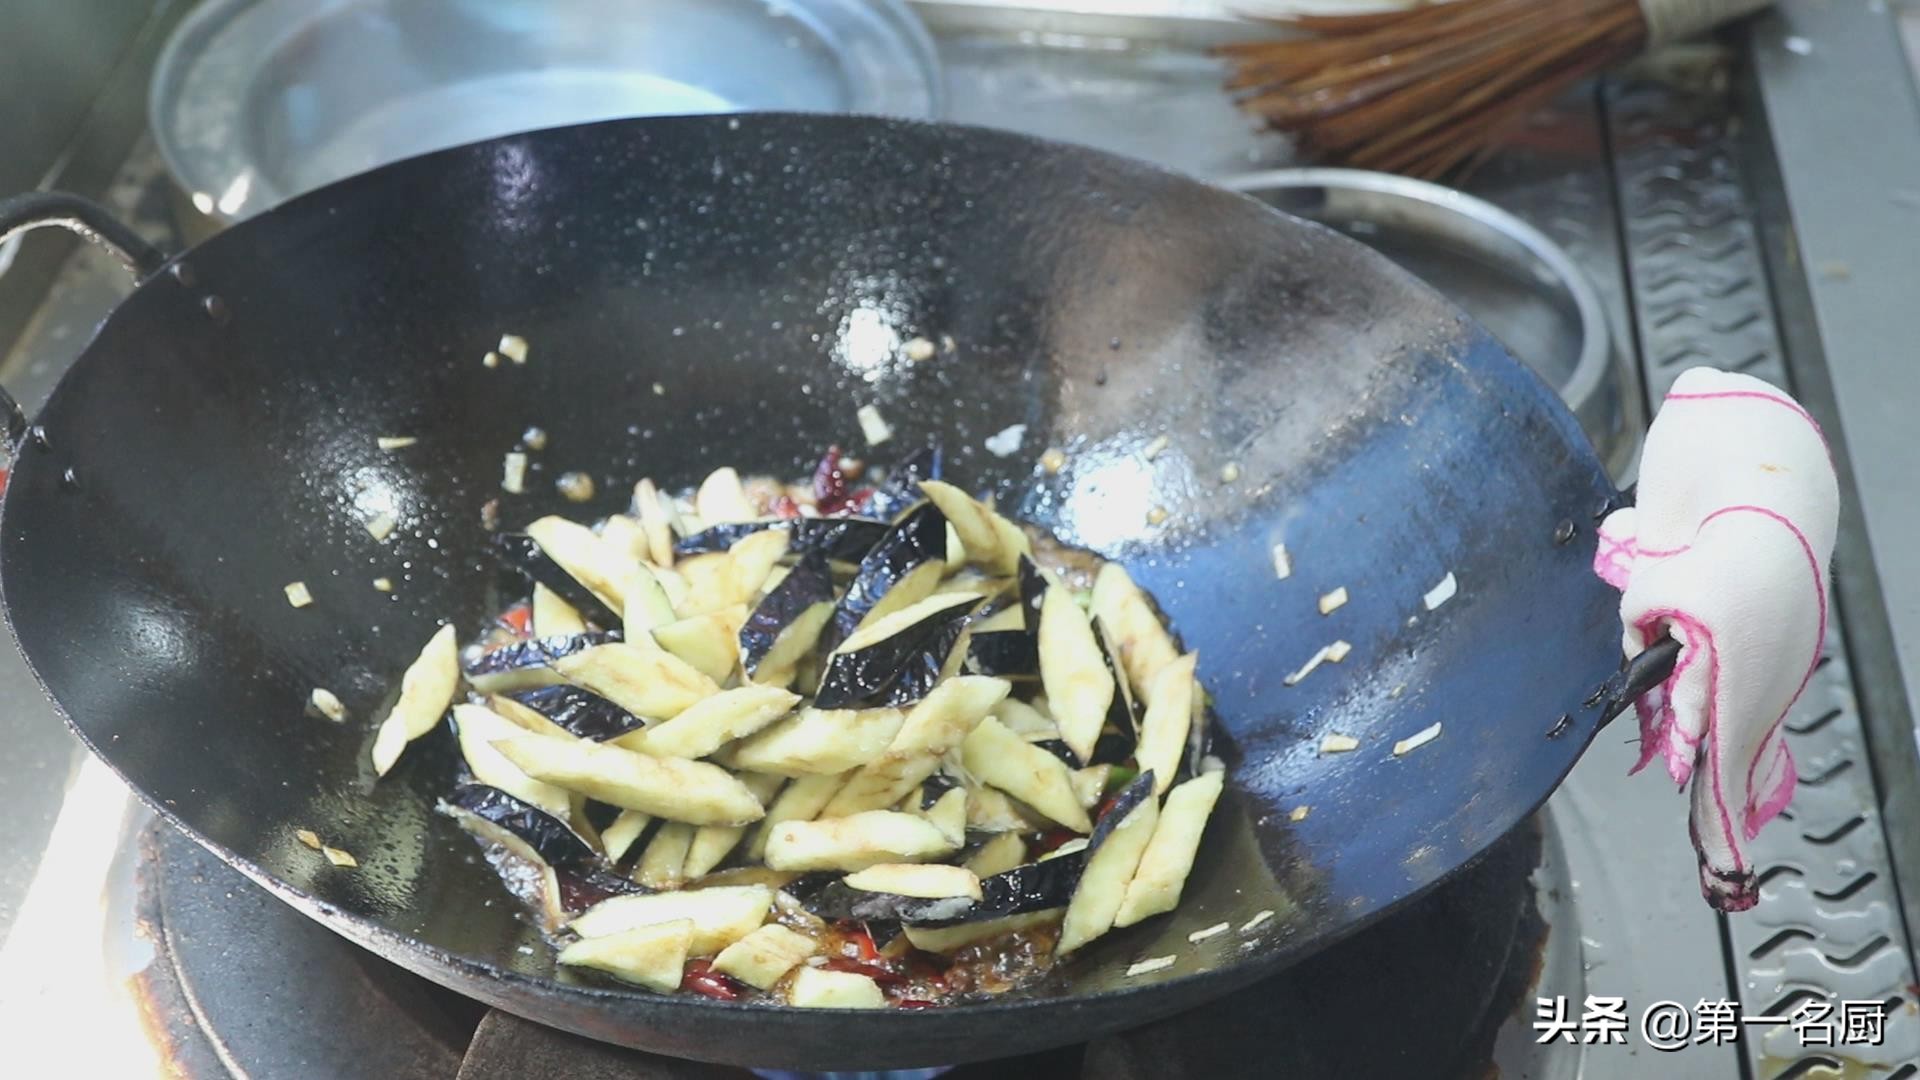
(1432, 89)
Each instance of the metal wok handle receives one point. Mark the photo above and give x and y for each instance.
(1643, 672)
(41, 209)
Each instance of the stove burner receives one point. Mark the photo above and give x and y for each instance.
(247, 986)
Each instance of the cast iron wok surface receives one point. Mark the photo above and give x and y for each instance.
(764, 270)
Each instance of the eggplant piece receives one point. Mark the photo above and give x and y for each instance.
(821, 988)
(709, 642)
(949, 939)
(1010, 654)
(574, 711)
(801, 800)
(816, 741)
(1074, 672)
(937, 724)
(1145, 646)
(522, 554)
(476, 728)
(1000, 853)
(663, 863)
(1058, 748)
(902, 486)
(426, 691)
(998, 757)
(1033, 591)
(949, 815)
(1026, 721)
(642, 678)
(712, 723)
(991, 541)
(844, 900)
(1163, 732)
(1113, 854)
(1164, 867)
(553, 616)
(721, 915)
(763, 957)
(787, 624)
(581, 887)
(670, 788)
(1123, 715)
(722, 498)
(901, 570)
(528, 663)
(855, 842)
(897, 660)
(522, 828)
(840, 539)
(620, 835)
(652, 956)
(713, 843)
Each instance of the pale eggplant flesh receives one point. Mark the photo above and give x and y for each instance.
(896, 670)
(902, 486)
(580, 712)
(1035, 886)
(807, 586)
(521, 554)
(920, 538)
(502, 663)
(840, 539)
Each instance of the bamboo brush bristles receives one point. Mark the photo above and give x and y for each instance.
(1426, 91)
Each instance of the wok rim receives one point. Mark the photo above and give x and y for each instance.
(1271, 957)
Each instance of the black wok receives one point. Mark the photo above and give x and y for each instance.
(216, 441)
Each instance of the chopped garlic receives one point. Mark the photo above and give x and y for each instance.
(535, 438)
(659, 390)
(491, 360)
(947, 344)
(1333, 601)
(339, 858)
(1417, 740)
(1053, 460)
(1144, 967)
(1256, 922)
(395, 442)
(297, 594)
(308, 837)
(1157, 515)
(1338, 744)
(575, 486)
(1152, 449)
(513, 478)
(1005, 441)
(1199, 936)
(381, 526)
(513, 347)
(1338, 651)
(383, 584)
(873, 425)
(1282, 562)
(1229, 472)
(918, 349)
(1442, 592)
(327, 704)
(1325, 654)
(1299, 813)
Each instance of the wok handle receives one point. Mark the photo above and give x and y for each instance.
(41, 209)
(1645, 671)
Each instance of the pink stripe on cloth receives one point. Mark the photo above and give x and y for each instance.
(1794, 406)
(1648, 626)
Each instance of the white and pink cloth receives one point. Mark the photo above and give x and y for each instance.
(1726, 550)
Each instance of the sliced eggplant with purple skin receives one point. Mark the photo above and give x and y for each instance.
(840, 539)
(528, 663)
(1009, 654)
(522, 554)
(911, 560)
(902, 486)
(786, 625)
(581, 887)
(579, 712)
(1122, 729)
(904, 658)
(1058, 748)
(520, 827)
(935, 786)
(838, 900)
(1033, 590)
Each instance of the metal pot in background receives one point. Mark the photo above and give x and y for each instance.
(255, 101)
